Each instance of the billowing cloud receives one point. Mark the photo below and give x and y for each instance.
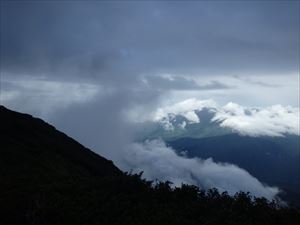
(184, 108)
(160, 162)
(276, 120)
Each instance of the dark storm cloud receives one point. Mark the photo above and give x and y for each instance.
(181, 83)
(260, 83)
(109, 40)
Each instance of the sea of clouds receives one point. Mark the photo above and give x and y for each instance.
(275, 120)
(158, 161)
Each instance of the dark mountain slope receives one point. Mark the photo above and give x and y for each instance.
(31, 146)
(37, 161)
(46, 178)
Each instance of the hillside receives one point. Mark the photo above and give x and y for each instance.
(47, 178)
(31, 146)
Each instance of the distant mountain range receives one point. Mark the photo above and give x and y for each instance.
(273, 160)
(178, 126)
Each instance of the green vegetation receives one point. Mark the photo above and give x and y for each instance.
(128, 199)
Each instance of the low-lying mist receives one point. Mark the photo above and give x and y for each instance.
(106, 129)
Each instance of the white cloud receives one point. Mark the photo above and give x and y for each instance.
(182, 125)
(276, 120)
(161, 162)
(184, 108)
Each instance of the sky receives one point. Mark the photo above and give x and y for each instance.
(89, 67)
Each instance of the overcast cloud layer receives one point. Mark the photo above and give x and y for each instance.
(231, 51)
(91, 67)
(117, 39)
